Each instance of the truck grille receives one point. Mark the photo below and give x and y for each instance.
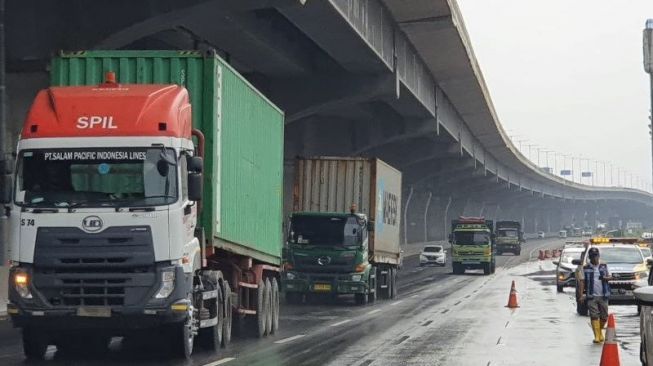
(310, 264)
(112, 268)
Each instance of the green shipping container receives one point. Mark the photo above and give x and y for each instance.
(242, 205)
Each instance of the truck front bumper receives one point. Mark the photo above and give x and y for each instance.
(39, 312)
(328, 283)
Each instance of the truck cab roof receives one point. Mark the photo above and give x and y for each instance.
(110, 109)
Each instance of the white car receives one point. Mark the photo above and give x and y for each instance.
(433, 254)
(540, 234)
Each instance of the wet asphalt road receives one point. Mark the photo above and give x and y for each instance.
(411, 329)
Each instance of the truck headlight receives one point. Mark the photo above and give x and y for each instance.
(290, 275)
(167, 284)
(356, 277)
(21, 283)
(641, 275)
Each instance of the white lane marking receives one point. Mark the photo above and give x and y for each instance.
(220, 362)
(414, 296)
(341, 323)
(396, 302)
(289, 339)
(373, 311)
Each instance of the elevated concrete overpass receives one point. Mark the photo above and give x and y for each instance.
(389, 78)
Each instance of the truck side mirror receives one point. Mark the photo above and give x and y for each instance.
(195, 186)
(195, 164)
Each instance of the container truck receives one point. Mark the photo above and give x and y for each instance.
(148, 203)
(472, 243)
(343, 235)
(509, 237)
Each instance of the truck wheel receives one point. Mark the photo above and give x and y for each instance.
(486, 268)
(211, 337)
(371, 297)
(457, 268)
(269, 309)
(518, 252)
(560, 288)
(261, 309)
(275, 306)
(228, 315)
(493, 267)
(35, 344)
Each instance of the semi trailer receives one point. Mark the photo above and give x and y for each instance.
(146, 202)
(343, 235)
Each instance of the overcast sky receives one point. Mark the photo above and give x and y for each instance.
(568, 76)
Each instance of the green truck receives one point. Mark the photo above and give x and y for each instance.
(147, 204)
(509, 237)
(343, 235)
(472, 244)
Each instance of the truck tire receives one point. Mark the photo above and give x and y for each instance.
(182, 338)
(269, 309)
(486, 268)
(228, 315)
(275, 306)
(261, 310)
(560, 288)
(211, 337)
(493, 267)
(371, 298)
(457, 268)
(518, 252)
(35, 343)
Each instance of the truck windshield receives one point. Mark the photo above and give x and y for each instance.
(326, 230)
(101, 177)
(471, 238)
(508, 233)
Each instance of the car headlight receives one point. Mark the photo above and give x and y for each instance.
(422, 257)
(167, 284)
(21, 283)
(290, 275)
(641, 275)
(356, 277)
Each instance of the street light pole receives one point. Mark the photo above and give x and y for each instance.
(648, 67)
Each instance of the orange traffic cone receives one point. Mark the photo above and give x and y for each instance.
(512, 299)
(610, 352)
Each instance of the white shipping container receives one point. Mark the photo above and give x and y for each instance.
(333, 184)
